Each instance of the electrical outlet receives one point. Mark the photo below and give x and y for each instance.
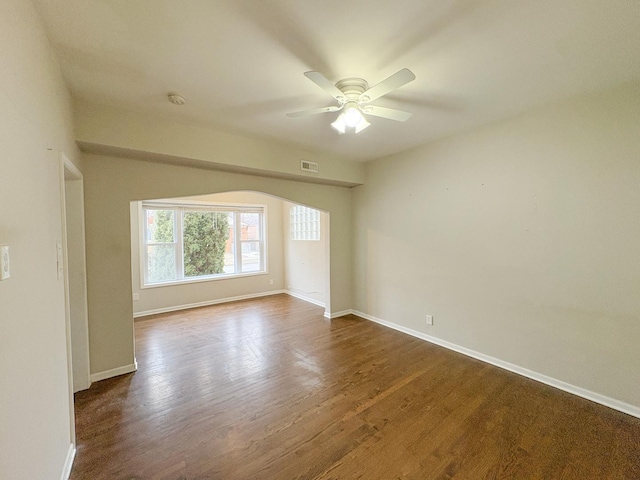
(136, 297)
(429, 319)
(5, 271)
(271, 282)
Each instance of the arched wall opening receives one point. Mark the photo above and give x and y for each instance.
(112, 183)
(292, 265)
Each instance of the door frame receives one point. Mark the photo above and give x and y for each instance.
(75, 283)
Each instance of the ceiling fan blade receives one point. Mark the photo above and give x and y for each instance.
(325, 84)
(384, 112)
(333, 108)
(396, 80)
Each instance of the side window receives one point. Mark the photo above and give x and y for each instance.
(305, 223)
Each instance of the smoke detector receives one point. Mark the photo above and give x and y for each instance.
(176, 99)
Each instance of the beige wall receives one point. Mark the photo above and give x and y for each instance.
(112, 183)
(521, 238)
(165, 298)
(111, 131)
(35, 126)
(306, 262)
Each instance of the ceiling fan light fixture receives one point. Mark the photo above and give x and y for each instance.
(352, 115)
(362, 125)
(339, 124)
(343, 127)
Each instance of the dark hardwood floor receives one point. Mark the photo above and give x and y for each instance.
(269, 389)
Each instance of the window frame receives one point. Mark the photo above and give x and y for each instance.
(180, 208)
(143, 239)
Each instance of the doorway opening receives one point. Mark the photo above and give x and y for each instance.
(72, 267)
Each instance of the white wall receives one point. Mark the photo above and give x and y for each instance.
(306, 262)
(170, 297)
(521, 238)
(35, 125)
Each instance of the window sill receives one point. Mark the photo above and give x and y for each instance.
(216, 278)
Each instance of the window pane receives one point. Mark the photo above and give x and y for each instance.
(205, 236)
(250, 225)
(185, 242)
(160, 226)
(250, 256)
(161, 262)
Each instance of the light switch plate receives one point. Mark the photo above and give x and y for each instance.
(5, 271)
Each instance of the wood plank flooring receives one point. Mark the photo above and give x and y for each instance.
(269, 389)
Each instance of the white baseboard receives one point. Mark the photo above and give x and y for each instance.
(553, 382)
(305, 298)
(114, 372)
(342, 313)
(186, 306)
(68, 463)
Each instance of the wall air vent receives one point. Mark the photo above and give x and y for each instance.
(308, 166)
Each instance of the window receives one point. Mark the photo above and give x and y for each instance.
(305, 223)
(184, 242)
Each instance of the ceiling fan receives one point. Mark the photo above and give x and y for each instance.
(354, 96)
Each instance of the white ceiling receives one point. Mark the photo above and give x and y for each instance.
(240, 63)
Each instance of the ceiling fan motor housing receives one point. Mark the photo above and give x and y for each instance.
(352, 88)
